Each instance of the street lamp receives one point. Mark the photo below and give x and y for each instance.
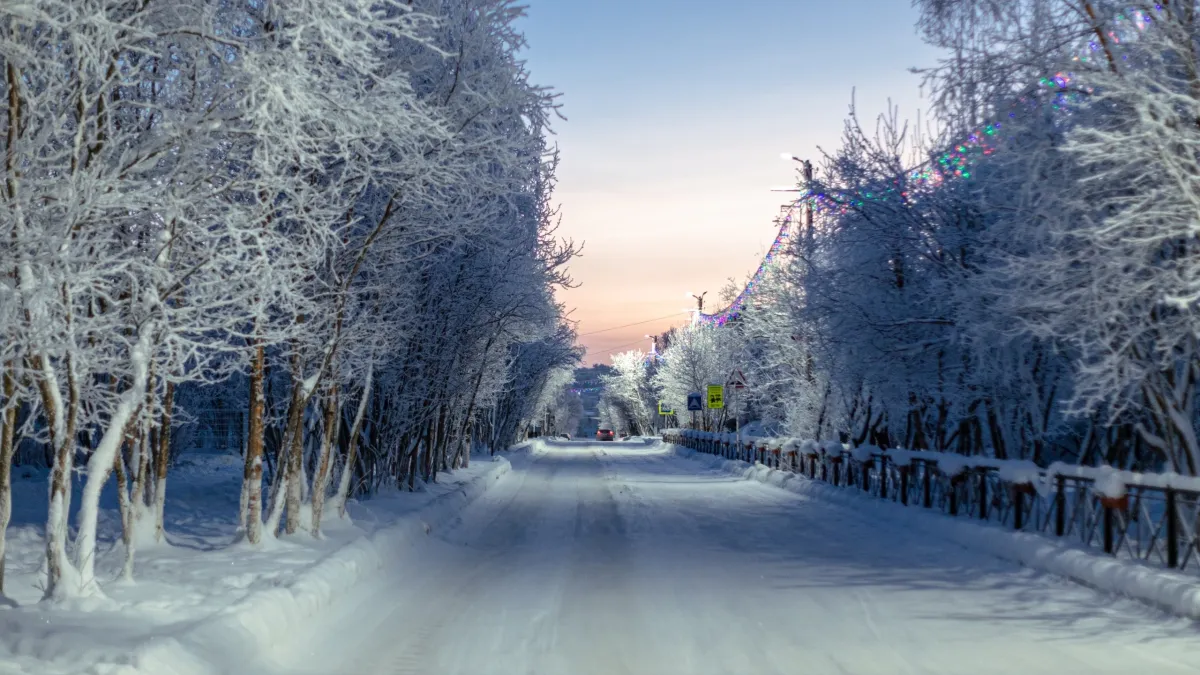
(654, 347)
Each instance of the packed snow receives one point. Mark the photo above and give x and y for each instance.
(202, 601)
(609, 558)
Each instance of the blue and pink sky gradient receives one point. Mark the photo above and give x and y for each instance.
(677, 113)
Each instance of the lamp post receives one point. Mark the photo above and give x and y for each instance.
(699, 303)
(654, 346)
(807, 170)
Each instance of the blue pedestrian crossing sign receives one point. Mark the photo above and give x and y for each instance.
(695, 401)
(664, 410)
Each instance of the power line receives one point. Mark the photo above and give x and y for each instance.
(636, 323)
(591, 353)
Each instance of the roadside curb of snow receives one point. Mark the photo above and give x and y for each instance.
(1171, 591)
(239, 632)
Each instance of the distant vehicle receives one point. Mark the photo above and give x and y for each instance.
(565, 437)
(604, 434)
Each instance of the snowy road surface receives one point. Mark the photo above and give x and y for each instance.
(617, 558)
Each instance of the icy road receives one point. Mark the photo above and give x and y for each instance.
(617, 558)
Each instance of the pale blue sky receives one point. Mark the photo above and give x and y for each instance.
(677, 113)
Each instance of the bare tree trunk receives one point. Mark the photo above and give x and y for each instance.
(343, 491)
(8, 422)
(290, 464)
(320, 482)
(126, 513)
(60, 419)
(101, 461)
(162, 461)
(251, 505)
(134, 502)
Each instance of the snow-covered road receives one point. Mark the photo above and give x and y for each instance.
(618, 558)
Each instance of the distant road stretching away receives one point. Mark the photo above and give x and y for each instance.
(620, 559)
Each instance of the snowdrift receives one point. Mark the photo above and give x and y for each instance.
(233, 636)
(1171, 591)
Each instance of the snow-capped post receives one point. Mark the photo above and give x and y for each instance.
(927, 468)
(1114, 498)
(983, 494)
(1109, 547)
(1018, 490)
(959, 471)
(883, 475)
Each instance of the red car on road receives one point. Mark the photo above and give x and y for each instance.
(604, 434)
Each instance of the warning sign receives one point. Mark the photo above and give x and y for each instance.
(716, 396)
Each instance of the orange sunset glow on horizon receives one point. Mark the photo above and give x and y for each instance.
(676, 116)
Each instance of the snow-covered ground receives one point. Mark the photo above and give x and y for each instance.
(199, 583)
(614, 558)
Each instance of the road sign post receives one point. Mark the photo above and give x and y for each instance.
(737, 381)
(695, 402)
(662, 414)
(716, 396)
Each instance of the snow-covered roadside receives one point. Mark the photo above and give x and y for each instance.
(1172, 591)
(201, 605)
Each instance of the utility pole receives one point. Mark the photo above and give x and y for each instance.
(808, 207)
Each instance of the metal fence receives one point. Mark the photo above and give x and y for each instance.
(1156, 525)
(210, 430)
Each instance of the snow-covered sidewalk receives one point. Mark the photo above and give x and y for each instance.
(1172, 591)
(199, 604)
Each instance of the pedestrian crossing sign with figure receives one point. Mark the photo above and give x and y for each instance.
(664, 410)
(716, 396)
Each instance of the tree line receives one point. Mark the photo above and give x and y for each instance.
(337, 215)
(1016, 278)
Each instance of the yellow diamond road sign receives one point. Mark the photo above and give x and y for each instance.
(716, 396)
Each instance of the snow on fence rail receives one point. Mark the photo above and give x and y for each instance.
(1149, 517)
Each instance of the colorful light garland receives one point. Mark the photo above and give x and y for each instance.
(954, 163)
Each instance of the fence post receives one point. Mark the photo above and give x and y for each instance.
(1108, 530)
(1060, 506)
(954, 496)
(883, 477)
(927, 487)
(836, 477)
(983, 494)
(865, 467)
(904, 485)
(1018, 499)
(1172, 530)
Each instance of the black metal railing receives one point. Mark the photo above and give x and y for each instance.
(1156, 525)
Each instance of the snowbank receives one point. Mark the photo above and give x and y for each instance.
(1109, 482)
(1172, 591)
(235, 635)
(200, 605)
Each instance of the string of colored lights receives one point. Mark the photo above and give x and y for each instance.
(955, 163)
